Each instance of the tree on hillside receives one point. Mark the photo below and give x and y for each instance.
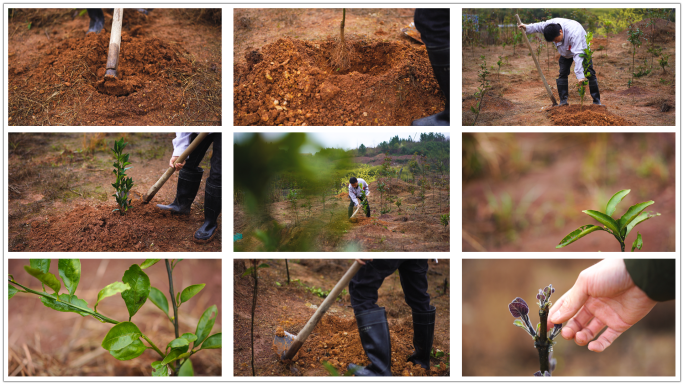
(362, 150)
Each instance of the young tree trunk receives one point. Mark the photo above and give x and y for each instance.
(254, 301)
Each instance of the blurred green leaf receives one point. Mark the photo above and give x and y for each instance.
(638, 243)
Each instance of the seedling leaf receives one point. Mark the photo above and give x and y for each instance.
(46, 278)
(179, 343)
(65, 298)
(190, 337)
(148, 263)
(129, 352)
(41, 264)
(111, 290)
(639, 219)
(136, 296)
(120, 336)
(70, 272)
(632, 213)
(11, 291)
(212, 342)
(605, 220)
(615, 200)
(518, 307)
(159, 369)
(205, 324)
(159, 299)
(186, 369)
(578, 234)
(638, 243)
(172, 356)
(190, 291)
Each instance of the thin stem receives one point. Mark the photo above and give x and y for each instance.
(173, 302)
(163, 356)
(542, 342)
(288, 272)
(84, 310)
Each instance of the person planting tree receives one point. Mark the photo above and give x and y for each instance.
(372, 319)
(190, 177)
(433, 25)
(570, 39)
(358, 194)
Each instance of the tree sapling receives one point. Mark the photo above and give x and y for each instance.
(618, 228)
(123, 184)
(543, 340)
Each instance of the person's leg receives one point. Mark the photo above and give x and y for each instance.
(189, 179)
(433, 25)
(562, 81)
(96, 20)
(367, 208)
(212, 194)
(371, 319)
(593, 85)
(413, 276)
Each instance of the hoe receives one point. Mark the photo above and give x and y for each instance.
(286, 344)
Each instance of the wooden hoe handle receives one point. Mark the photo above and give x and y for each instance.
(536, 62)
(157, 186)
(114, 44)
(311, 324)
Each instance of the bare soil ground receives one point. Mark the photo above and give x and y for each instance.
(411, 229)
(335, 339)
(552, 178)
(60, 196)
(169, 65)
(284, 76)
(44, 342)
(646, 349)
(517, 95)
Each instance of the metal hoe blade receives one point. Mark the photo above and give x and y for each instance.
(282, 343)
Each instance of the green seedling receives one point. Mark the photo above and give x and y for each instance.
(123, 184)
(619, 228)
(643, 70)
(125, 341)
(498, 63)
(634, 38)
(482, 89)
(663, 61)
(586, 56)
(444, 220)
(655, 52)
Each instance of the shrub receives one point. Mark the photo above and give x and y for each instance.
(123, 184)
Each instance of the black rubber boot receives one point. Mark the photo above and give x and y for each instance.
(212, 210)
(594, 90)
(375, 339)
(96, 20)
(439, 58)
(562, 85)
(423, 335)
(188, 185)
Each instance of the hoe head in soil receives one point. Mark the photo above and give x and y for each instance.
(282, 341)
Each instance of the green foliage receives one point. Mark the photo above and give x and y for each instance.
(123, 184)
(498, 69)
(444, 220)
(663, 62)
(362, 150)
(124, 340)
(642, 70)
(618, 228)
(586, 56)
(634, 37)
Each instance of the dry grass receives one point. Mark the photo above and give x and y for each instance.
(211, 16)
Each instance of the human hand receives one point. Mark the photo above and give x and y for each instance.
(582, 80)
(604, 295)
(363, 261)
(178, 166)
(522, 27)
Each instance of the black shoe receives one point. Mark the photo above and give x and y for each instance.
(188, 185)
(594, 90)
(375, 339)
(96, 20)
(423, 335)
(439, 58)
(212, 210)
(562, 85)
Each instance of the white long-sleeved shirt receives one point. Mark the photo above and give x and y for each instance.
(355, 193)
(573, 43)
(181, 142)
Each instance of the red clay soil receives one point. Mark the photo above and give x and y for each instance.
(160, 82)
(585, 115)
(335, 339)
(291, 82)
(95, 228)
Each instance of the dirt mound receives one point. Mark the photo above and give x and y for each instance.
(91, 228)
(589, 115)
(161, 82)
(634, 91)
(291, 82)
(336, 340)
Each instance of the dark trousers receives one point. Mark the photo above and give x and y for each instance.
(363, 287)
(565, 64)
(352, 206)
(433, 25)
(193, 161)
